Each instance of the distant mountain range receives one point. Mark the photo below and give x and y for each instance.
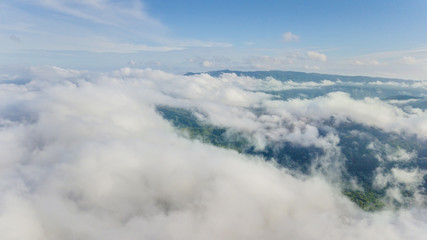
(299, 76)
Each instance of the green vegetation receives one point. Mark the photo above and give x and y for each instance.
(366, 200)
(360, 160)
(185, 121)
(286, 154)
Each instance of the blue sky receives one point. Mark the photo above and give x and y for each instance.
(377, 38)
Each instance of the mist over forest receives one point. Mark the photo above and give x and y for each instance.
(147, 154)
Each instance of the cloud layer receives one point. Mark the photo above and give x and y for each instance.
(85, 156)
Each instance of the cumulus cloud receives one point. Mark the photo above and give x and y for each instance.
(368, 111)
(85, 156)
(317, 56)
(290, 37)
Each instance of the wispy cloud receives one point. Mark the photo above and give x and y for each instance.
(406, 64)
(408, 60)
(103, 26)
(101, 45)
(101, 11)
(204, 44)
(366, 62)
(290, 37)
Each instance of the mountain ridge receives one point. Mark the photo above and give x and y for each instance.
(300, 76)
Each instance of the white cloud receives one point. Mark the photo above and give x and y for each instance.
(375, 63)
(96, 21)
(85, 156)
(107, 46)
(366, 63)
(317, 56)
(400, 180)
(290, 37)
(204, 44)
(357, 62)
(369, 111)
(98, 44)
(408, 84)
(407, 177)
(399, 155)
(100, 11)
(405, 64)
(408, 60)
(207, 63)
(314, 67)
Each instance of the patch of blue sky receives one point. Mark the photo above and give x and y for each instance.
(381, 38)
